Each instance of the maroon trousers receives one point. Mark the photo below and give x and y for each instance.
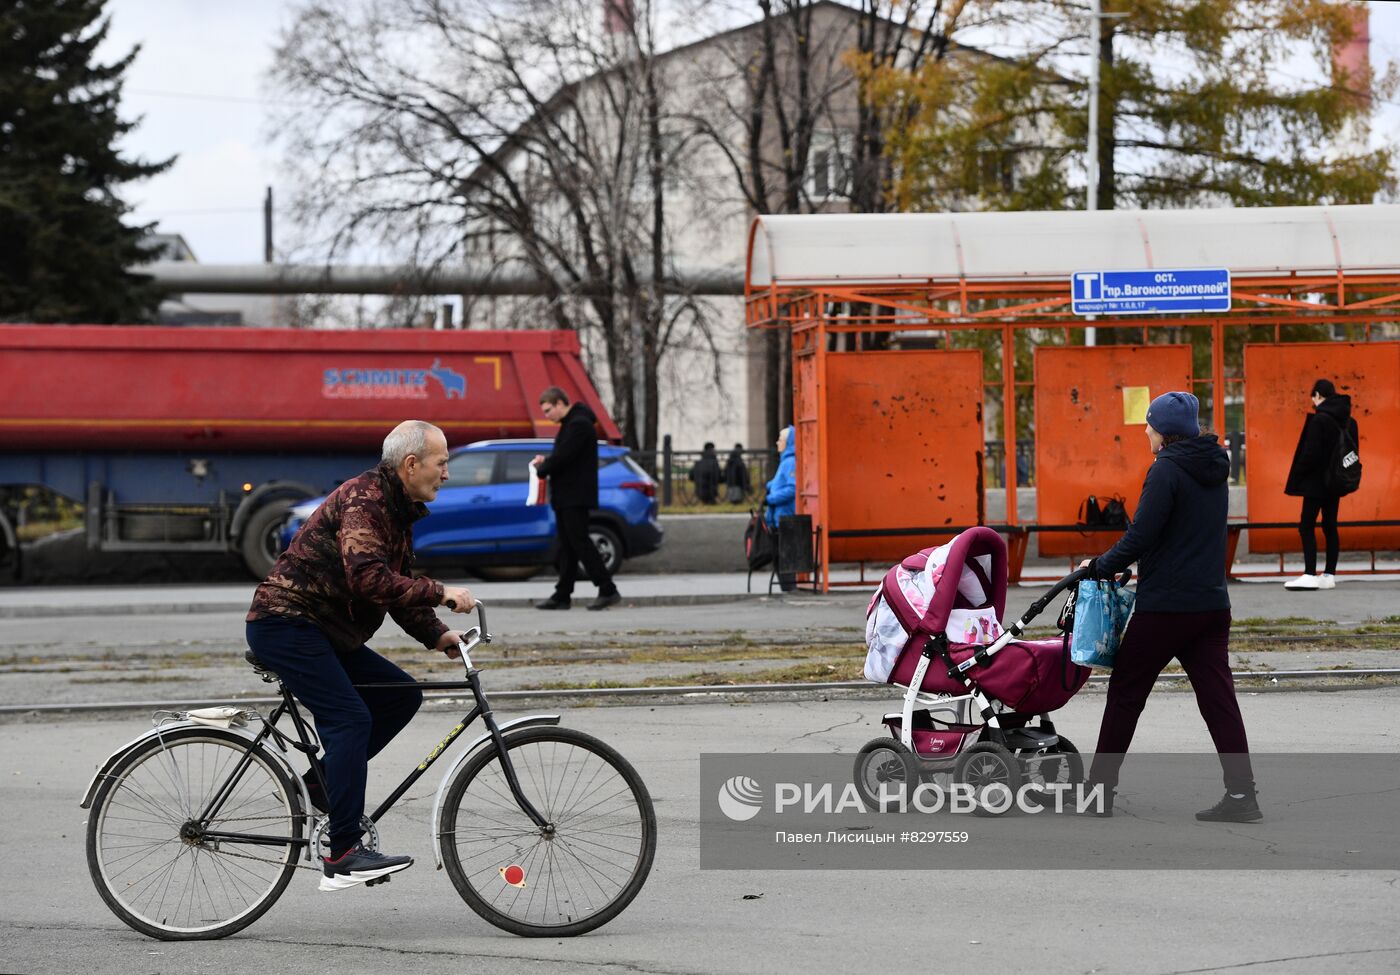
(1201, 642)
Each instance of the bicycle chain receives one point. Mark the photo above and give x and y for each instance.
(311, 841)
(213, 847)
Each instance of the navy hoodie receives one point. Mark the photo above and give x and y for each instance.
(1178, 532)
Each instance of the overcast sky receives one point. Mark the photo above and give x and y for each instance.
(198, 87)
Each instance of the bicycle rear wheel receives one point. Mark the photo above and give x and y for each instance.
(559, 882)
(149, 854)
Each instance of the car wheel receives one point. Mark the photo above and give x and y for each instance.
(261, 543)
(609, 546)
(507, 573)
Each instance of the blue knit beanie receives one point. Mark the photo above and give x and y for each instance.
(1175, 413)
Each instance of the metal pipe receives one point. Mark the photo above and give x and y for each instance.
(189, 277)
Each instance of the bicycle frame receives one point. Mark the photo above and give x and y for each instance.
(305, 742)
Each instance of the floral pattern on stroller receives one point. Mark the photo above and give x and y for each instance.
(971, 688)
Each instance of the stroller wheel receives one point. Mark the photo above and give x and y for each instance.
(1062, 766)
(885, 772)
(994, 775)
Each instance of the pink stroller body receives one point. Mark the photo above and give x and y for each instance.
(971, 687)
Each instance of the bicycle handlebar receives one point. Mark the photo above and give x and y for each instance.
(480, 617)
(473, 637)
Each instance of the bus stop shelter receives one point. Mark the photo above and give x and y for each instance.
(915, 338)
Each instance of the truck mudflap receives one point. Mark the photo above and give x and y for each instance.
(165, 728)
(530, 720)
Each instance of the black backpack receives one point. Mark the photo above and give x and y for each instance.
(759, 545)
(1113, 513)
(1343, 475)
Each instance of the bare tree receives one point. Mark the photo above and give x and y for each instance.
(796, 114)
(524, 133)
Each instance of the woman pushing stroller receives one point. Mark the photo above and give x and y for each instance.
(1178, 539)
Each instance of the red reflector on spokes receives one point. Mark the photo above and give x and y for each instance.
(513, 875)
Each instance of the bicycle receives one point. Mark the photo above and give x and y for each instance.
(197, 826)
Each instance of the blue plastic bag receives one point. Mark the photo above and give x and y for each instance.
(1101, 611)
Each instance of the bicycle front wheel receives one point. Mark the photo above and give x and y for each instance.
(149, 844)
(575, 875)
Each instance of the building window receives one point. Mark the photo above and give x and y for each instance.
(996, 170)
(829, 166)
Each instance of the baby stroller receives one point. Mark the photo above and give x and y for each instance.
(971, 688)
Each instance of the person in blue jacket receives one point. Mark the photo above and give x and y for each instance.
(781, 498)
(1177, 538)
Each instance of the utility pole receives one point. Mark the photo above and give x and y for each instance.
(1096, 19)
(267, 227)
(1091, 334)
(1095, 39)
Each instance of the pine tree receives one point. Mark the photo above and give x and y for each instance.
(64, 250)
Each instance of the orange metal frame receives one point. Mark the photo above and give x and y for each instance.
(816, 313)
(1084, 435)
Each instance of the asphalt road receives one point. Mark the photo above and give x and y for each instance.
(688, 920)
(123, 643)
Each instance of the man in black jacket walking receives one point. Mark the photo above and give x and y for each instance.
(572, 469)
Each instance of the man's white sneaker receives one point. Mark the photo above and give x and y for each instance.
(360, 866)
(1326, 581)
(1304, 583)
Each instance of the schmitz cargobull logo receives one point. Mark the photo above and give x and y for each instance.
(372, 383)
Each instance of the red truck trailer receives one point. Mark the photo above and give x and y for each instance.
(202, 438)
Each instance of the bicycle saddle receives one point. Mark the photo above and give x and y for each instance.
(263, 670)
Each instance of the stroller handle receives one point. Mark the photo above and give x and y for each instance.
(1073, 579)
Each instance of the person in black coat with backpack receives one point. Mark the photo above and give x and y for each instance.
(1308, 479)
(572, 469)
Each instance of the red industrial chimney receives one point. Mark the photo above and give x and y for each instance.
(1351, 58)
(619, 16)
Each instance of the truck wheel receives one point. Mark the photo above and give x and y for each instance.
(261, 542)
(10, 551)
(609, 546)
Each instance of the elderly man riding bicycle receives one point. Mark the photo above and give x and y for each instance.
(325, 597)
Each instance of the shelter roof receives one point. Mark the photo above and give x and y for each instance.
(890, 248)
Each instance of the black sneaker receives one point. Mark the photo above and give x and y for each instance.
(603, 602)
(1230, 809)
(554, 602)
(359, 866)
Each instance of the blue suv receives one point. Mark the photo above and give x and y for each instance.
(480, 518)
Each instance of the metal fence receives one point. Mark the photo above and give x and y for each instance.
(994, 468)
(672, 468)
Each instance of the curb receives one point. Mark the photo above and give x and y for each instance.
(693, 690)
(178, 609)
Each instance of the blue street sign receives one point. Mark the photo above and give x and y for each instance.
(1150, 292)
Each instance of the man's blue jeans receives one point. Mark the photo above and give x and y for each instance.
(354, 725)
